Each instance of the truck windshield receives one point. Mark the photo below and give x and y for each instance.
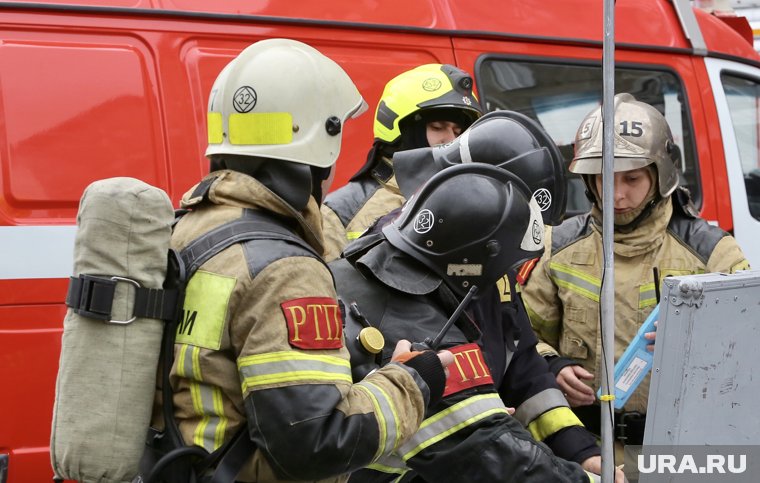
(559, 95)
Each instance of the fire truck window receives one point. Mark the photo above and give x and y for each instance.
(558, 96)
(743, 96)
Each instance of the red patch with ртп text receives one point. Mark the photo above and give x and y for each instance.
(313, 323)
(468, 370)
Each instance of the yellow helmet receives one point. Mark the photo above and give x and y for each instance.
(439, 88)
(281, 99)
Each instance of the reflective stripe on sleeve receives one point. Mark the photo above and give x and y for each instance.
(538, 404)
(575, 280)
(390, 463)
(552, 421)
(451, 420)
(548, 330)
(207, 400)
(274, 368)
(386, 414)
(210, 431)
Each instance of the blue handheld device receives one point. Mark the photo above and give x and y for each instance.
(635, 363)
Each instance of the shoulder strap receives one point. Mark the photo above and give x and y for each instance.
(254, 225)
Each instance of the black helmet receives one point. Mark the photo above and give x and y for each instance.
(470, 224)
(506, 139)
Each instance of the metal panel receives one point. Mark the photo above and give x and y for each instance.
(705, 384)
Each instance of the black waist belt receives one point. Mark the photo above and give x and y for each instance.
(629, 425)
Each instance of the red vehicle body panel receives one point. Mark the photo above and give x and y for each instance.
(119, 88)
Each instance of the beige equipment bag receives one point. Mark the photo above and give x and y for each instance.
(109, 356)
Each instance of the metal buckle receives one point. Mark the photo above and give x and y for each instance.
(137, 286)
(94, 302)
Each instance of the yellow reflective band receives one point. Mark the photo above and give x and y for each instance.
(215, 129)
(552, 421)
(386, 469)
(181, 361)
(249, 383)
(549, 329)
(290, 366)
(205, 310)
(743, 265)
(575, 280)
(261, 128)
(647, 295)
(505, 294)
(222, 419)
(538, 404)
(197, 364)
(353, 235)
(389, 463)
(451, 420)
(200, 430)
(381, 447)
(386, 411)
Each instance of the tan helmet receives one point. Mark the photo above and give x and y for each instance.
(642, 137)
(281, 99)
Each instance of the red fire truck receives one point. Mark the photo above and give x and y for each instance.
(93, 89)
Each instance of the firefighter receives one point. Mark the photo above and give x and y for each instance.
(515, 143)
(426, 106)
(266, 354)
(409, 277)
(657, 233)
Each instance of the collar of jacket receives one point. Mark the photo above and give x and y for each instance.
(646, 237)
(394, 268)
(385, 175)
(232, 188)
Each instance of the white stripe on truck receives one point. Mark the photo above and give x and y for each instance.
(36, 251)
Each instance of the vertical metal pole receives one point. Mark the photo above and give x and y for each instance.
(608, 279)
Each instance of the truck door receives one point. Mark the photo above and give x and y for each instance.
(736, 89)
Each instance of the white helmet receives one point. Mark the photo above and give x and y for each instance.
(281, 99)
